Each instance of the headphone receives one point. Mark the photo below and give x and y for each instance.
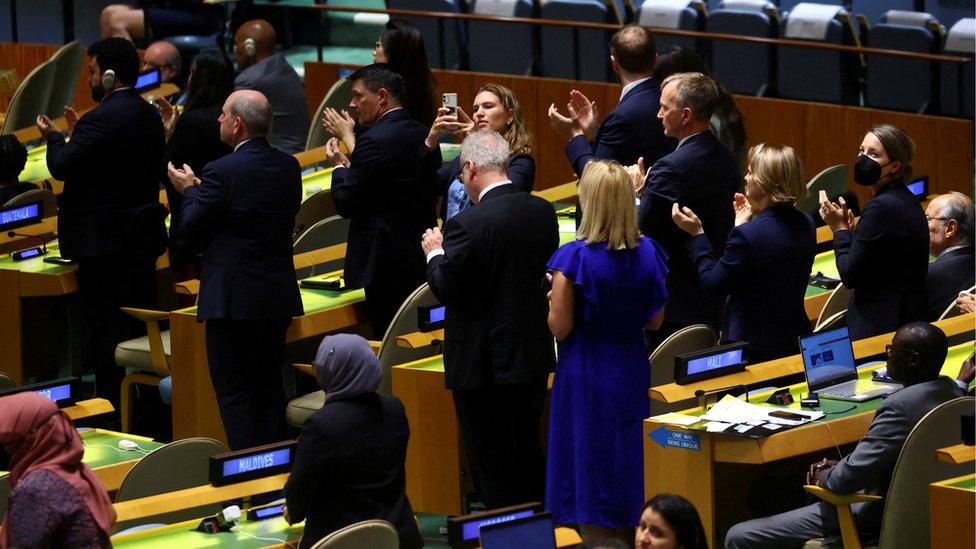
(108, 79)
(249, 47)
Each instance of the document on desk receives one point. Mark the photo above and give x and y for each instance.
(732, 411)
(674, 418)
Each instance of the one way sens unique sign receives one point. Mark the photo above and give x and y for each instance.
(676, 439)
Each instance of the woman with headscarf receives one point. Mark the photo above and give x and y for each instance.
(56, 500)
(349, 465)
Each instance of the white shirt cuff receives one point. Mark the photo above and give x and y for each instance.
(962, 384)
(434, 253)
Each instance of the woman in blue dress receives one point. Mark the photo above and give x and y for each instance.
(607, 286)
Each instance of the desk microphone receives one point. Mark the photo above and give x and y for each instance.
(43, 240)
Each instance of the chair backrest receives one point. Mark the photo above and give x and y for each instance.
(672, 14)
(337, 98)
(948, 12)
(68, 66)
(355, 30)
(315, 208)
(375, 534)
(740, 67)
(697, 337)
(31, 98)
(178, 465)
(828, 76)
(835, 320)
(49, 202)
(404, 322)
(836, 302)
(446, 41)
(951, 310)
(833, 180)
(957, 89)
(905, 523)
(514, 54)
(557, 60)
(913, 89)
(6, 382)
(327, 232)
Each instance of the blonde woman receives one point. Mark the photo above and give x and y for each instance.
(607, 286)
(765, 266)
(496, 108)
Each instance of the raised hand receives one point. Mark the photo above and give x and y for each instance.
(742, 208)
(837, 216)
(564, 125)
(585, 112)
(686, 220)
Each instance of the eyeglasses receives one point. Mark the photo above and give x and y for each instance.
(891, 350)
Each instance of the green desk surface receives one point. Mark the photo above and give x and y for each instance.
(315, 301)
(567, 230)
(37, 264)
(36, 167)
(274, 531)
(432, 364)
(102, 447)
(822, 263)
(314, 182)
(965, 484)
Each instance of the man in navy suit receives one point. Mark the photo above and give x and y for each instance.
(243, 208)
(915, 357)
(110, 218)
(386, 189)
(950, 219)
(631, 131)
(701, 174)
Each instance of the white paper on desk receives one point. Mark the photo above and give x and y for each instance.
(674, 418)
(733, 410)
(716, 426)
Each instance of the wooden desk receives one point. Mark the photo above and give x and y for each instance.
(107, 460)
(684, 461)
(952, 505)
(195, 410)
(958, 454)
(758, 374)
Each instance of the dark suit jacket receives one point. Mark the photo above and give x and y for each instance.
(630, 131)
(244, 212)
(278, 81)
(951, 273)
(349, 467)
(870, 465)
(521, 170)
(490, 277)
(388, 194)
(110, 169)
(764, 271)
(884, 262)
(196, 142)
(701, 174)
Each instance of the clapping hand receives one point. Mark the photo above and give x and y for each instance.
(837, 216)
(638, 175)
(431, 240)
(169, 115)
(817, 469)
(333, 153)
(585, 112)
(966, 302)
(181, 178)
(46, 127)
(567, 126)
(742, 208)
(686, 220)
(70, 118)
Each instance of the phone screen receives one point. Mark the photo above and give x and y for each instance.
(788, 415)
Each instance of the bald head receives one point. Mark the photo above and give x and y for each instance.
(246, 114)
(163, 56)
(263, 35)
(950, 218)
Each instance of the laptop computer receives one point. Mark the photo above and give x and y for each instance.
(534, 531)
(828, 364)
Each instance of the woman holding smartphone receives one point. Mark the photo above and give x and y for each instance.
(495, 108)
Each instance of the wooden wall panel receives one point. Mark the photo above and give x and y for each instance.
(22, 58)
(823, 134)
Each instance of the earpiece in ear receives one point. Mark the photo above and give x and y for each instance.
(249, 47)
(108, 79)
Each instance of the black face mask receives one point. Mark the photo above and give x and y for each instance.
(867, 171)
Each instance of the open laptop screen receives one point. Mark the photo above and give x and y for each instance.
(828, 358)
(534, 531)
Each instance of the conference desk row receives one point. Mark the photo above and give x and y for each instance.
(435, 478)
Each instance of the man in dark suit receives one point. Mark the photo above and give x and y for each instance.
(488, 268)
(386, 187)
(701, 174)
(110, 219)
(243, 207)
(915, 358)
(631, 131)
(270, 73)
(950, 219)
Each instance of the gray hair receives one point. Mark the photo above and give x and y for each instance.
(960, 208)
(487, 150)
(255, 114)
(695, 91)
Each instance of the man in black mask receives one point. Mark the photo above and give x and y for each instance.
(110, 218)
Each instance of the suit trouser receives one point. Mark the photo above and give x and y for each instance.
(500, 429)
(106, 283)
(383, 302)
(246, 357)
(791, 529)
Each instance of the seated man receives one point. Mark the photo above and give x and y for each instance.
(13, 158)
(164, 18)
(164, 56)
(950, 218)
(915, 356)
